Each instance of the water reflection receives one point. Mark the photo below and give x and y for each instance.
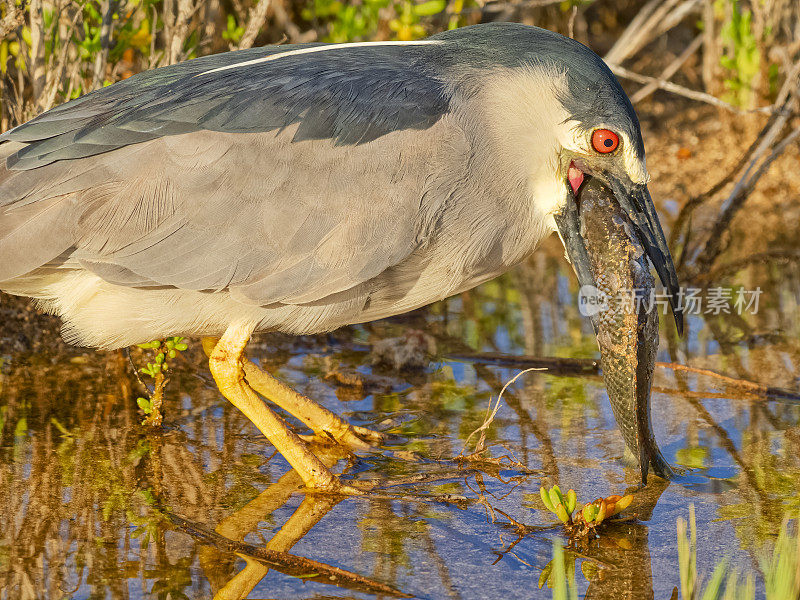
(94, 505)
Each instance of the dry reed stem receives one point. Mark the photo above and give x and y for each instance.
(490, 414)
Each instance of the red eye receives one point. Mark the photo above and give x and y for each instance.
(605, 140)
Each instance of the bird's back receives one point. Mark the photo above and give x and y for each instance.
(303, 187)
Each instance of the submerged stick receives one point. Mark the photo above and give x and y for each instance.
(283, 562)
(582, 367)
(565, 366)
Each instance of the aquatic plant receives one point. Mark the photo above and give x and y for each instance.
(589, 516)
(163, 351)
(781, 569)
(563, 583)
(687, 566)
(780, 565)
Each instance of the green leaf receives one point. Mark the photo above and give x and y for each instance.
(561, 513)
(555, 496)
(714, 588)
(147, 496)
(572, 501)
(432, 7)
(589, 513)
(546, 500)
(145, 405)
(545, 575)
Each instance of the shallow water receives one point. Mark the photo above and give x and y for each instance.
(96, 506)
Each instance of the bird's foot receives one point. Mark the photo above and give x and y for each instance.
(350, 437)
(326, 425)
(239, 380)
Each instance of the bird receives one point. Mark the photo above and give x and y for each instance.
(302, 188)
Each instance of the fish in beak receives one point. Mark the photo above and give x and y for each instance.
(610, 232)
(635, 201)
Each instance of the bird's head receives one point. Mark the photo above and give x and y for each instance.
(601, 137)
(557, 116)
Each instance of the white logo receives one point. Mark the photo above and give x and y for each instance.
(591, 301)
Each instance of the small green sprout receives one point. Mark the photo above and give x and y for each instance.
(145, 404)
(556, 503)
(588, 517)
(164, 350)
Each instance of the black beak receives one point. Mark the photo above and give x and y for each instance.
(636, 202)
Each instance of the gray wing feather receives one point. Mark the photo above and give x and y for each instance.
(351, 96)
(32, 235)
(257, 180)
(269, 219)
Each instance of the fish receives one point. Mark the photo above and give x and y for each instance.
(625, 319)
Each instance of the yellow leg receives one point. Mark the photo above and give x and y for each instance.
(326, 424)
(226, 367)
(239, 524)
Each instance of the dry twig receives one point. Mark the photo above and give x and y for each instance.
(589, 367)
(774, 140)
(255, 21)
(767, 146)
(496, 7)
(654, 19)
(109, 7)
(669, 71)
(15, 17)
(684, 91)
(490, 414)
(36, 55)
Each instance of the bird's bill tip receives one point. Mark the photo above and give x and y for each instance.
(636, 202)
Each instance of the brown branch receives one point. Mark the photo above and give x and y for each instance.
(177, 30)
(36, 60)
(561, 366)
(767, 147)
(730, 381)
(494, 8)
(711, 45)
(713, 247)
(620, 50)
(255, 21)
(15, 17)
(282, 20)
(669, 71)
(108, 8)
(654, 19)
(283, 562)
(685, 92)
(590, 367)
(685, 214)
(56, 73)
(768, 257)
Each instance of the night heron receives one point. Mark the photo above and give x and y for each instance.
(303, 188)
